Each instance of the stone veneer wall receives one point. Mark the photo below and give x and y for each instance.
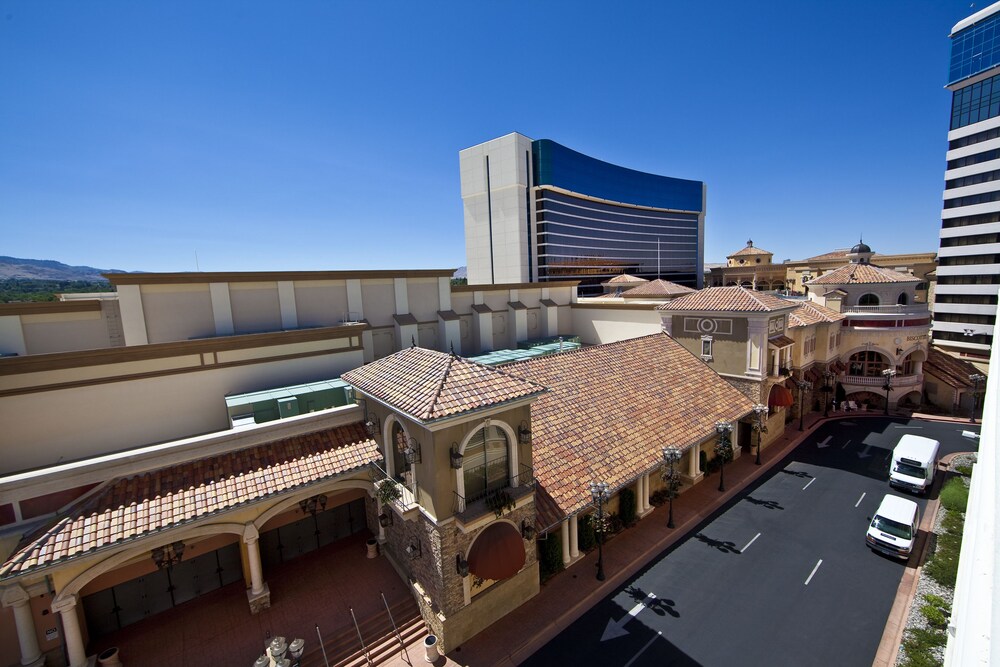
(749, 388)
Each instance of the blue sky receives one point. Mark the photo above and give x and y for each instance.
(325, 135)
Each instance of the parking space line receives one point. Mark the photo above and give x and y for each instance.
(861, 498)
(807, 485)
(648, 644)
(814, 571)
(750, 542)
(846, 444)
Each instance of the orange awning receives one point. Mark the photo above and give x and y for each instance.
(498, 553)
(779, 397)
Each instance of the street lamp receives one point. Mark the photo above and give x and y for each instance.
(976, 379)
(276, 650)
(888, 373)
(827, 388)
(760, 411)
(599, 492)
(802, 385)
(723, 450)
(671, 455)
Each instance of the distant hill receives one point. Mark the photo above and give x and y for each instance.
(461, 272)
(47, 269)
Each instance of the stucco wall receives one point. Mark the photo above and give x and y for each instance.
(599, 325)
(177, 312)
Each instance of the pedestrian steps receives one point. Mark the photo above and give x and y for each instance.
(382, 644)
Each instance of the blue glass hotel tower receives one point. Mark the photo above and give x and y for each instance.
(965, 299)
(536, 211)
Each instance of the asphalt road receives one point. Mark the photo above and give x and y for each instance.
(780, 576)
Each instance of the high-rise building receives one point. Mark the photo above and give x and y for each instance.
(968, 274)
(536, 211)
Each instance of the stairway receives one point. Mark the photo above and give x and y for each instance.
(344, 650)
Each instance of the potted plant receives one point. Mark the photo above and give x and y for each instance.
(387, 491)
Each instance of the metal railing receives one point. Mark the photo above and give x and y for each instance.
(879, 380)
(407, 499)
(395, 630)
(522, 480)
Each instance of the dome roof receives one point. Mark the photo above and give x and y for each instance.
(860, 247)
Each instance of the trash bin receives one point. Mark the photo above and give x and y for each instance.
(109, 658)
(431, 652)
(372, 545)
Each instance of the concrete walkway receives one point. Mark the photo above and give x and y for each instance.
(568, 594)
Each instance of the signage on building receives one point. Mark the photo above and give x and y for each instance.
(911, 339)
(775, 326)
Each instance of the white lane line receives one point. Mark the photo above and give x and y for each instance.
(901, 426)
(814, 571)
(846, 444)
(807, 485)
(750, 542)
(861, 498)
(648, 644)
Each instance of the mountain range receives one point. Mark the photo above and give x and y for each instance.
(47, 269)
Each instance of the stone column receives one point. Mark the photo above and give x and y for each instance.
(18, 599)
(693, 470)
(574, 537)
(258, 595)
(564, 535)
(73, 638)
(645, 493)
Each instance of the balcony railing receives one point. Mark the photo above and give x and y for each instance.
(406, 501)
(911, 309)
(879, 381)
(519, 485)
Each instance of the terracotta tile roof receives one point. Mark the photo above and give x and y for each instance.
(429, 385)
(129, 508)
(657, 288)
(854, 274)
(610, 409)
(840, 253)
(951, 370)
(780, 341)
(626, 278)
(809, 313)
(750, 250)
(728, 299)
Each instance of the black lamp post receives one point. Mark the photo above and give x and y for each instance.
(976, 379)
(827, 389)
(888, 373)
(723, 450)
(802, 385)
(760, 411)
(599, 492)
(671, 456)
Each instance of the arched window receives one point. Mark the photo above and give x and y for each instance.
(485, 465)
(399, 445)
(867, 364)
(903, 299)
(868, 300)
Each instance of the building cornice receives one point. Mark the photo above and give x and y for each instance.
(266, 276)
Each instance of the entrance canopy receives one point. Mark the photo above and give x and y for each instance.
(498, 553)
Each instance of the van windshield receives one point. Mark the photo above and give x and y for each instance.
(909, 470)
(894, 528)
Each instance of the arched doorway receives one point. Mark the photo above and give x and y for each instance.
(867, 363)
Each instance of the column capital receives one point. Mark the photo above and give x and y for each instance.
(64, 603)
(14, 596)
(250, 533)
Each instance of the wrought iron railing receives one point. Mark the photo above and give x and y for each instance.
(407, 499)
(519, 483)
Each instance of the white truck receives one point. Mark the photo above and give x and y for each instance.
(914, 462)
(893, 528)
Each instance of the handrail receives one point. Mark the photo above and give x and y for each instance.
(321, 647)
(360, 638)
(395, 630)
(894, 309)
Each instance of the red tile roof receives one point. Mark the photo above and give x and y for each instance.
(657, 289)
(609, 411)
(854, 274)
(625, 278)
(129, 508)
(951, 370)
(738, 299)
(809, 313)
(429, 385)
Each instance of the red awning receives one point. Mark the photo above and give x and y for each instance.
(779, 397)
(498, 553)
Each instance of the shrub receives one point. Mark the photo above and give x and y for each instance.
(918, 645)
(659, 497)
(613, 524)
(935, 617)
(586, 538)
(550, 554)
(965, 470)
(953, 522)
(626, 506)
(955, 495)
(943, 567)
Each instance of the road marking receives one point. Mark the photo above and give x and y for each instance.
(617, 628)
(750, 542)
(861, 498)
(648, 644)
(902, 426)
(847, 424)
(846, 444)
(807, 485)
(814, 571)
(825, 442)
(866, 454)
(970, 434)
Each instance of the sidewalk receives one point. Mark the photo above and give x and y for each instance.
(568, 594)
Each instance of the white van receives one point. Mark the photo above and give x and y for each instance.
(914, 461)
(893, 530)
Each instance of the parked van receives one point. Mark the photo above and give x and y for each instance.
(914, 462)
(893, 530)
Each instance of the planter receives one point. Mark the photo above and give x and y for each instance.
(431, 652)
(109, 658)
(372, 545)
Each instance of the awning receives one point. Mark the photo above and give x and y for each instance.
(780, 341)
(813, 375)
(498, 553)
(779, 397)
(838, 366)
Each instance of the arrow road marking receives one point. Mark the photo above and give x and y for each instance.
(814, 571)
(861, 498)
(865, 454)
(970, 434)
(825, 442)
(617, 628)
(750, 542)
(648, 644)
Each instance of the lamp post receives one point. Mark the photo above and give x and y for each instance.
(802, 385)
(827, 389)
(276, 650)
(760, 411)
(671, 455)
(976, 379)
(599, 493)
(723, 450)
(888, 373)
